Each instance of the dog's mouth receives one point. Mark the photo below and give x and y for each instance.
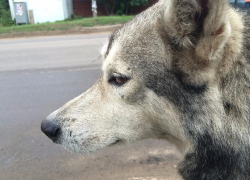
(57, 141)
(78, 147)
(116, 142)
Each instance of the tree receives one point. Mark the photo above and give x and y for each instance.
(120, 7)
(139, 2)
(5, 15)
(4, 6)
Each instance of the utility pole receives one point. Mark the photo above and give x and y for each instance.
(94, 8)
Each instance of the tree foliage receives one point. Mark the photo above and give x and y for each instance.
(5, 15)
(138, 2)
(120, 7)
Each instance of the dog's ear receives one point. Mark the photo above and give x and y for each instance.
(206, 36)
(200, 24)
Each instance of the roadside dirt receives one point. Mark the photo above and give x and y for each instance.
(77, 30)
(143, 160)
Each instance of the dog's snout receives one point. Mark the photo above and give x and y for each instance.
(51, 129)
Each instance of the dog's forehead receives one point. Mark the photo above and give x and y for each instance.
(113, 51)
(131, 51)
(138, 26)
(114, 62)
(138, 40)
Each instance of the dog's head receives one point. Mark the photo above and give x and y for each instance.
(157, 70)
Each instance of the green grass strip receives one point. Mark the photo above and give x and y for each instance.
(68, 24)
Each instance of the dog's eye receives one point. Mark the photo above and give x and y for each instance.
(118, 80)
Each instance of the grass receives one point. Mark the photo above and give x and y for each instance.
(68, 24)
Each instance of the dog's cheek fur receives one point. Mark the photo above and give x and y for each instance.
(219, 151)
(212, 155)
(191, 84)
(81, 133)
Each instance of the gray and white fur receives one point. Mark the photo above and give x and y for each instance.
(179, 71)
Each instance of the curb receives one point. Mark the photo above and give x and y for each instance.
(77, 30)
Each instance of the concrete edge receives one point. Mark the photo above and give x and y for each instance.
(77, 30)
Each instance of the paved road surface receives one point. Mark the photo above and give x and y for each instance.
(37, 76)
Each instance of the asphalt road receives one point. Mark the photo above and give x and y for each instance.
(37, 76)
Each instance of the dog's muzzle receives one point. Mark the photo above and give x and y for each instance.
(51, 130)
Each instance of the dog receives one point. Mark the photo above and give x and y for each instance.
(178, 71)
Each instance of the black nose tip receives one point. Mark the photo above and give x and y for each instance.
(51, 129)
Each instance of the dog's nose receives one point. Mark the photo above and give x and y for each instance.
(51, 129)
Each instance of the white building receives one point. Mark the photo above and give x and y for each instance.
(41, 11)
